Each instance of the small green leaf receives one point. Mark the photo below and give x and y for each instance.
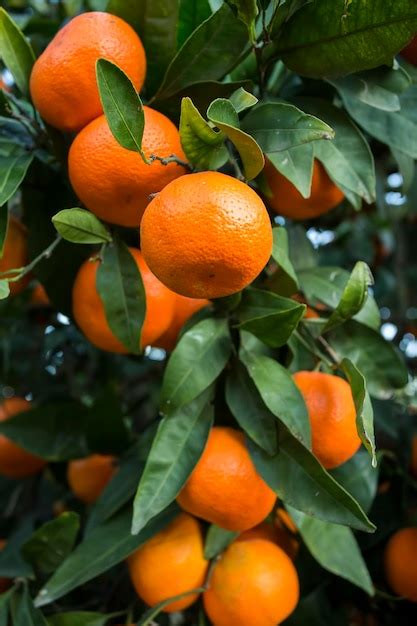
(354, 296)
(203, 146)
(13, 168)
(285, 276)
(247, 10)
(120, 286)
(217, 540)
(122, 105)
(52, 542)
(242, 100)
(4, 289)
(198, 359)
(359, 478)
(80, 226)
(15, 51)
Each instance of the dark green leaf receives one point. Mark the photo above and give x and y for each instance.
(176, 449)
(359, 478)
(105, 428)
(80, 226)
(52, 543)
(13, 170)
(354, 296)
(5, 598)
(282, 13)
(198, 359)
(15, 51)
(217, 540)
(301, 252)
(78, 618)
(12, 563)
(406, 166)
(191, 15)
(25, 614)
(242, 100)
(296, 164)
(247, 10)
(120, 286)
(280, 253)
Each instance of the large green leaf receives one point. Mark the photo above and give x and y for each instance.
(120, 286)
(296, 164)
(338, 37)
(191, 15)
(285, 279)
(103, 548)
(24, 612)
(198, 359)
(52, 542)
(321, 538)
(12, 563)
(13, 168)
(359, 478)
(354, 296)
(176, 449)
(203, 146)
(208, 54)
(15, 51)
(80, 226)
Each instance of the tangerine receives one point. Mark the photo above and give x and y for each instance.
(15, 254)
(89, 477)
(183, 310)
(400, 563)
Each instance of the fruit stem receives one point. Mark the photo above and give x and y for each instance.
(172, 158)
(45, 254)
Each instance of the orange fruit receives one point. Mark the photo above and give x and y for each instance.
(15, 253)
(332, 416)
(183, 310)
(5, 583)
(224, 487)
(286, 200)
(15, 462)
(413, 463)
(400, 563)
(410, 52)
(39, 297)
(254, 584)
(115, 183)
(171, 563)
(213, 235)
(63, 81)
(309, 313)
(278, 534)
(89, 477)
(89, 312)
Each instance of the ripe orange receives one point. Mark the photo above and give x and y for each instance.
(5, 583)
(63, 81)
(39, 297)
(115, 183)
(278, 534)
(184, 309)
(170, 563)
(286, 200)
(15, 253)
(310, 313)
(89, 312)
(410, 52)
(15, 462)
(224, 487)
(332, 416)
(254, 584)
(89, 477)
(400, 563)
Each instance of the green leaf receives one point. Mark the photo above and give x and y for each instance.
(248, 409)
(296, 164)
(286, 275)
(359, 478)
(222, 113)
(208, 54)
(62, 427)
(15, 51)
(80, 226)
(191, 15)
(13, 168)
(282, 13)
(217, 540)
(406, 166)
(197, 360)
(338, 37)
(12, 563)
(121, 104)
(120, 286)
(300, 481)
(327, 284)
(4, 288)
(269, 317)
(242, 100)
(4, 223)
(321, 538)
(25, 613)
(175, 451)
(279, 393)
(354, 296)
(247, 11)
(203, 146)
(52, 542)
(78, 618)
(103, 548)
(301, 252)
(378, 360)
(363, 405)
(5, 599)
(105, 428)
(277, 126)
(147, 618)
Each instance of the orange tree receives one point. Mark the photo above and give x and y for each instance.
(208, 312)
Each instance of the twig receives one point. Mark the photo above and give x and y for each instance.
(23, 271)
(170, 159)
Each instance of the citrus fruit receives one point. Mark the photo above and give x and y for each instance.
(171, 563)
(286, 200)
(15, 253)
(15, 462)
(115, 183)
(63, 82)
(276, 533)
(89, 477)
(410, 52)
(224, 487)
(89, 311)
(332, 416)
(254, 584)
(400, 563)
(213, 235)
(183, 310)
(39, 297)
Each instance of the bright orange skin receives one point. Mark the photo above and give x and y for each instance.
(89, 314)
(206, 235)
(413, 464)
(286, 200)
(254, 584)
(184, 309)
(15, 462)
(39, 297)
(115, 183)
(170, 563)
(400, 563)
(90, 476)
(277, 534)
(5, 583)
(224, 487)
(410, 52)
(15, 253)
(63, 81)
(332, 416)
